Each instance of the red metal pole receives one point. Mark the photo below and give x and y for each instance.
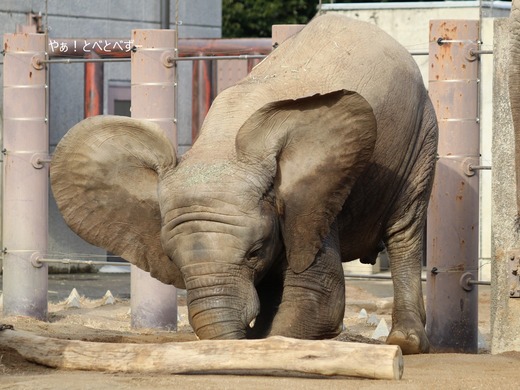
(26, 143)
(153, 304)
(93, 87)
(453, 219)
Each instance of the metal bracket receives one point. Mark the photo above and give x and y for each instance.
(513, 265)
(35, 260)
(465, 281)
(37, 61)
(468, 165)
(469, 52)
(38, 160)
(168, 59)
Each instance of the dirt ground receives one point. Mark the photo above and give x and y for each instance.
(111, 323)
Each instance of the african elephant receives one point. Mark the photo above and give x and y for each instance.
(322, 153)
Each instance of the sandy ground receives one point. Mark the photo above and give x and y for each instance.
(110, 323)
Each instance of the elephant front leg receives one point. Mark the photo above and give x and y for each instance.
(313, 302)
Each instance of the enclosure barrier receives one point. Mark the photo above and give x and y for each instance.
(193, 50)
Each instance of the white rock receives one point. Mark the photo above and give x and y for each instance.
(73, 302)
(362, 314)
(373, 320)
(381, 330)
(74, 299)
(108, 298)
(74, 293)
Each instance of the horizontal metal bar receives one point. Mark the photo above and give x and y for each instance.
(75, 48)
(238, 57)
(24, 86)
(120, 264)
(455, 81)
(81, 60)
(479, 167)
(174, 120)
(458, 156)
(380, 277)
(441, 41)
(169, 59)
(388, 277)
(84, 262)
(478, 52)
(419, 53)
(480, 282)
(28, 119)
(476, 120)
(160, 84)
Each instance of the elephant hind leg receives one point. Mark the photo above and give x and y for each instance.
(404, 238)
(405, 249)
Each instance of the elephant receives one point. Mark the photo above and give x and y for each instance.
(325, 153)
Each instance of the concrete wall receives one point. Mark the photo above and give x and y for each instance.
(105, 19)
(505, 311)
(408, 23)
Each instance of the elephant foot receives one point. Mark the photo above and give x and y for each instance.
(411, 340)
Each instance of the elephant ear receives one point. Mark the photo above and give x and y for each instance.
(314, 149)
(104, 176)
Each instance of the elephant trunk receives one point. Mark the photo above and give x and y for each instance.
(221, 301)
(514, 91)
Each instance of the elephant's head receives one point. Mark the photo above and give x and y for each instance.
(216, 222)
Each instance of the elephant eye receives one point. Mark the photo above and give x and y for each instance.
(254, 252)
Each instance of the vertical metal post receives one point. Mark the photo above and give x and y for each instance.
(153, 304)
(26, 142)
(165, 14)
(93, 87)
(453, 219)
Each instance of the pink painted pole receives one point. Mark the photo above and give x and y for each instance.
(453, 219)
(26, 141)
(153, 304)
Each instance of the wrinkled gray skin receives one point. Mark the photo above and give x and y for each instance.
(514, 91)
(324, 152)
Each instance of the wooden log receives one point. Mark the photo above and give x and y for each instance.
(279, 356)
